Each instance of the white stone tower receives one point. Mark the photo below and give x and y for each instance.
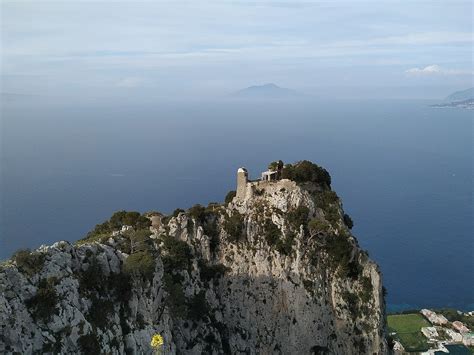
(242, 180)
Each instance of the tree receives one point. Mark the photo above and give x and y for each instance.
(230, 196)
(140, 263)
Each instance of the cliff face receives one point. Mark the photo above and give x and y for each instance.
(274, 272)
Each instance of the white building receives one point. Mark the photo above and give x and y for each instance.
(460, 327)
(430, 332)
(468, 339)
(397, 346)
(455, 336)
(433, 317)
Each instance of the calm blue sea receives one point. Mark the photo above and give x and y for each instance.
(403, 170)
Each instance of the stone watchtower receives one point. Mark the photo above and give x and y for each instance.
(242, 180)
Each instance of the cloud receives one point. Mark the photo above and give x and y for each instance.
(429, 70)
(436, 70)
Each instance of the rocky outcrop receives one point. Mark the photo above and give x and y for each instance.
(276, 272)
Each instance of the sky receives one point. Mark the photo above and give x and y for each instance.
(179, 49)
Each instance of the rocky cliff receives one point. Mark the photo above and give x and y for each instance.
(275, 272)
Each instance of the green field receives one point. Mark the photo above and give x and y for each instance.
(407, 327)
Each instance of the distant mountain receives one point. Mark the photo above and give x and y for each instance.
(460, 99)
(265, 91)
(461, 96)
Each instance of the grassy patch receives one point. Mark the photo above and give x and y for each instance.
(408, 329)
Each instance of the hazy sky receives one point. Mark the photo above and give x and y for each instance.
(174, 48)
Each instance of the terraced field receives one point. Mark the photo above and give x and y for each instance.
(408, 329)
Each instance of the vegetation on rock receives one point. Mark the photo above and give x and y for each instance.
(229, 197)
(43, 305)
(306, 171)
(116, 221)
(29, 262)
(234, 226)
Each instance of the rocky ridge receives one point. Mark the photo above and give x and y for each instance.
(276, 272)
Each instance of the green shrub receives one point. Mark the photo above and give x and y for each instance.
(177, 254)
(348, 221)
(198, 213)
(367, 289)
(44, 303)
(121, 218)
(298, 216)
(92, 279)
(285, 245)
(177, 211)
(117, 220)
(326, 198)
(140, 240)
(328, 201)
(340, 251)
(234, 226)
(306, 171)
(100, 311)
(317, 226)
(210, 272)
(272, 232)
(198, 308)
(351, 300)
(89, 344)
(140, 263)
(230, 196)
(29, 262)
(175, 300)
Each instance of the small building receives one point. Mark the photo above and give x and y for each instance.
(434, 318)
(455, 336)
(269, 175)
(398, 347)
(460, 327)
(468, 339)
(430, 332)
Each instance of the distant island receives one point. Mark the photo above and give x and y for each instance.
(459, 99)
(267, 91)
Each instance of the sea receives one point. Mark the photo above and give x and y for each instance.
(403, 169)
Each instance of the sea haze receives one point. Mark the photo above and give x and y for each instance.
(402, 169)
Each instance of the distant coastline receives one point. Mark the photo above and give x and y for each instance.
(465, 104)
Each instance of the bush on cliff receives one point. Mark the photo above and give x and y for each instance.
(317, 226)
(140, 263)
(211, 272)
(272, 232)
(116, 221)
(43, 305)
(306, 171)
(175, 300)
(89, 344)
(234, 226)
(198, 308)
(340, 251)
(348, 221)
(298, 216)
(140, 240)
(29, 262)
(230, 196)
(177, 254)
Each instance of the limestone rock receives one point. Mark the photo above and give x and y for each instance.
(275, 271)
